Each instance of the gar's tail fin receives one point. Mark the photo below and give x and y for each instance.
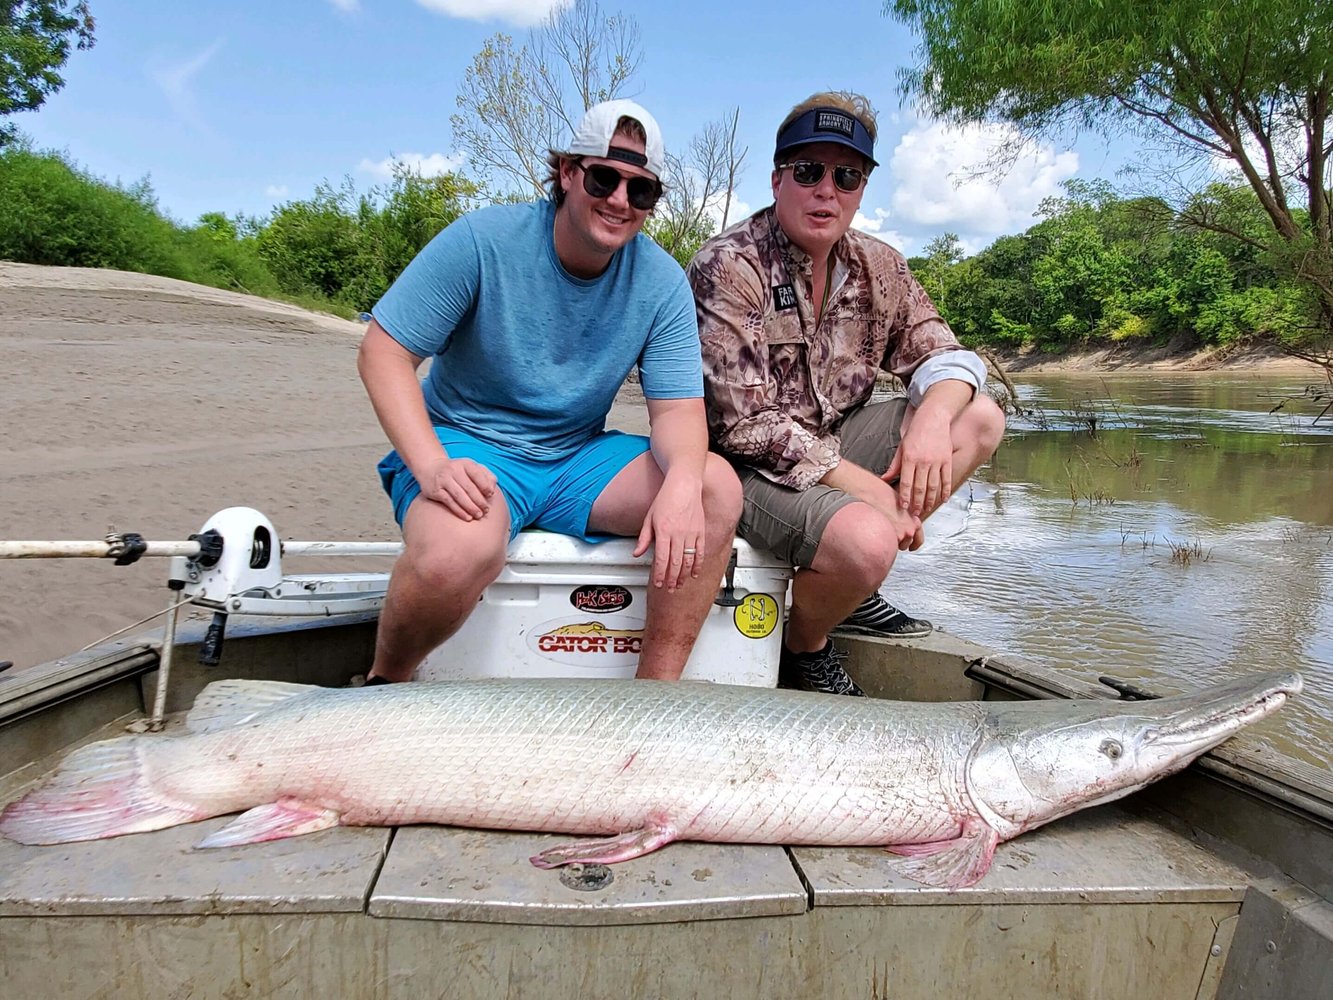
(99, 791)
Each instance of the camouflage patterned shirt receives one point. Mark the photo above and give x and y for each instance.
(778, 386)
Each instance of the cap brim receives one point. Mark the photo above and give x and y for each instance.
(816, 140)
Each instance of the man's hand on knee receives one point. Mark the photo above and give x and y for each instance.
(464, 487)
(923, 466)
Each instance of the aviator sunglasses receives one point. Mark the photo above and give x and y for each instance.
(808, 173)
(601, 181)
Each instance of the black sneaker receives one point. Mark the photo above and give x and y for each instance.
(877, 616)
(820, 671)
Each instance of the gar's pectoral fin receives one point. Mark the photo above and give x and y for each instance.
(272, 821)
(950, 864)
(606, 850)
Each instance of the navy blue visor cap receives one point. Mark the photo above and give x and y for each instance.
(827, 125)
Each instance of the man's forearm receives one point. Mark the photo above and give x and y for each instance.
(678, 436)
(944, 401)
(861, 483)
(390, 378)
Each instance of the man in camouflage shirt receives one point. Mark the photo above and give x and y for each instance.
(797, 314)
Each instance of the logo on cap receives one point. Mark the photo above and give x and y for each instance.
(832, 121)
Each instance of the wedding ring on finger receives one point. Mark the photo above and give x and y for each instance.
(688, 552)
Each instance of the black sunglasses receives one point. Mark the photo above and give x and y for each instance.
(808, 173)
(601, 181)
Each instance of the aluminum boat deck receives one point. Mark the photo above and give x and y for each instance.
(1121, 900)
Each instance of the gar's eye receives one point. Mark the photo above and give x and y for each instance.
(1112, 749)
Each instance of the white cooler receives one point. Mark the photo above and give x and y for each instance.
(565, 608)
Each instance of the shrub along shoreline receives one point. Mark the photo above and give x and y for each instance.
(1098, 275)
(337, 251)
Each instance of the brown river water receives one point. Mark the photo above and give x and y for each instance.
(1188, 540)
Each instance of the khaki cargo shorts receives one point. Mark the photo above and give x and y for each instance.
(788, 522)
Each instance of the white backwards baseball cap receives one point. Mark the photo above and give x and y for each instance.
(594, 133)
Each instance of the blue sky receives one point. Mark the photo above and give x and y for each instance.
(240, 106)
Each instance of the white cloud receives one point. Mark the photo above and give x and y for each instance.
(736, 211)
(875, 227)
(347, 6)
(276, 190)
(427, 165)
(939, 186)
(176, 81)
(523, 13)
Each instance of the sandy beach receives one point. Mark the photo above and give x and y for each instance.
(146, 404)
(137, 403)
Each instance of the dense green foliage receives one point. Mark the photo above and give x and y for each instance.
(1244, 81)
(682, 241)
(35, 37)
(1098, 269)
(337, 250)
(53, 213)
(1095, 269)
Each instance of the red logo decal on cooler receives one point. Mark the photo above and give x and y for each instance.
(588, 643)
(601, 599)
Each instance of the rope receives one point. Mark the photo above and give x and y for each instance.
(143, 621)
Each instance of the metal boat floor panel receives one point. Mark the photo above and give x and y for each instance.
(161, 873)
(1105, 855)
(1101, 855)
(448, 873)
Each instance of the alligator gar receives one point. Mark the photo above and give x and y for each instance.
(638, 764)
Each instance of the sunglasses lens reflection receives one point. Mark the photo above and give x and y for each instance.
(848, 178)
(601, 181)
(808, 173)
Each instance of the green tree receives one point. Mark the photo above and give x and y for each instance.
(941, 254)
(697, 184)
(313, 246)
(1244, 81)
(516, 103)
(414, 209)
(682, 241)
(218, 227)
(35, 39)
(347, 247)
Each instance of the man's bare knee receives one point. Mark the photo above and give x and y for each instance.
(859, 545)
(447, 556)
(442, 569)
(980, 427)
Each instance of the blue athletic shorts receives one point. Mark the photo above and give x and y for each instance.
(552, 495)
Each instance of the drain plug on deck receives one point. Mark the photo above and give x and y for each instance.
(586, 878)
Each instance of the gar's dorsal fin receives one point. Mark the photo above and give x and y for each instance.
(235, 701)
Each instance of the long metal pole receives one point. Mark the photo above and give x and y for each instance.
(100, 549)
(103, 550)
(342, 548)
(158, 718)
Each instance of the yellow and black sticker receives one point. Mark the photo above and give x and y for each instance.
(757, 617)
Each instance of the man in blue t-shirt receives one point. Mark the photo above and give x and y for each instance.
(533, 315)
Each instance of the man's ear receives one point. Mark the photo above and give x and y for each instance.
(566, 174)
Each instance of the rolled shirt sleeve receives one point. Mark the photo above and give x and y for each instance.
(962, 366)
